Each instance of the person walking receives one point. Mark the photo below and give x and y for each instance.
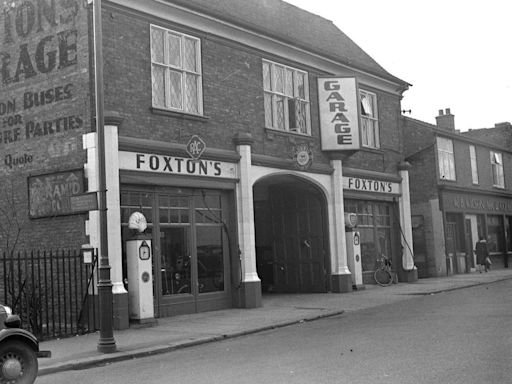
(482, 254)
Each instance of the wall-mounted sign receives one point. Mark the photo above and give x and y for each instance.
(302, 156)
(84, 202)
(339, 117)
(370, 185)
(133, 161)
(195, 147)
(49, 195)
(476, 203)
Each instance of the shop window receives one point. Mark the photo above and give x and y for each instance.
(497, 169)
(474, 167)
(369, 120)
(286, 97)
(509, 233)
(374, 226)
(446, 159)
(495, 233)
(136, 202)
(176, 71)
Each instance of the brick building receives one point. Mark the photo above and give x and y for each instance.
(242, 130)
(461, 189)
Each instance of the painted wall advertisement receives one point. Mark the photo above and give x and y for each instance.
(339, 118)
(49, 195)
(43, 73)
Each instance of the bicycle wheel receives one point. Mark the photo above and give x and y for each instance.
(383, 277)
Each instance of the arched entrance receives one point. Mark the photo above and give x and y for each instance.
(291, 235)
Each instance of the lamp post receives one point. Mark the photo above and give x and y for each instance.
(106, 342)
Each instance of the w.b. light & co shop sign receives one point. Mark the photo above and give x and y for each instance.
(339, 121)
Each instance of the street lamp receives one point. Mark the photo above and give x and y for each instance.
(106, 342)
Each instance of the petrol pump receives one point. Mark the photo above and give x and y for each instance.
(140, 276)
(353, 241)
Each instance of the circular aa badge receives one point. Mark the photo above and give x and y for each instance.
(303, 156)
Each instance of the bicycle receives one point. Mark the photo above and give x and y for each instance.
(383, 275)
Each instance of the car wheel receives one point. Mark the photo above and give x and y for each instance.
(18, 363)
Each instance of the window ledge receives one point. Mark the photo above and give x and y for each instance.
(372, 149)
(181, 115)
(271, 132)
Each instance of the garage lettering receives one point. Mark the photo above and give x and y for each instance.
(338, 108)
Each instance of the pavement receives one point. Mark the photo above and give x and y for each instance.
(277, 310)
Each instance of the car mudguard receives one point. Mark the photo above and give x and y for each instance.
(20, 334)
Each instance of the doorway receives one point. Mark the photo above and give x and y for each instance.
(291, 236)
(191, 247)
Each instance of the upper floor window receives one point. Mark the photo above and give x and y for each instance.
(286, 94)
(474, 167)
(176, 71)
(498, 179)
(445, 159)
(369, 120)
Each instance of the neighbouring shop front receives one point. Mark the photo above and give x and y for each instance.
(469, 216)
(375, 203)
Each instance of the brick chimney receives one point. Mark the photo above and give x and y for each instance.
(505, 124)
(445, 120)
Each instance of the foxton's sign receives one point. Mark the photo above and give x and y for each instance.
(370, 185)
(133, 161)
(339, 122)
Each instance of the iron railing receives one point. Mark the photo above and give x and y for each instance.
(54, 292)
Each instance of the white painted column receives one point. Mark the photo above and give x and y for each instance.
(404, 203)
(113, 201)
(115, 254)
(339, 263)
(245, 208)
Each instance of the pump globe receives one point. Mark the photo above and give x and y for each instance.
(137, 221)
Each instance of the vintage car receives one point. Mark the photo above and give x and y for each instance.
(19, 350)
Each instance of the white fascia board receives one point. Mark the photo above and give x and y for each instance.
(208, 24)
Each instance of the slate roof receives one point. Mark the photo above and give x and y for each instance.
(278, 19)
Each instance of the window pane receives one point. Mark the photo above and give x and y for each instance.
(210, 259)
(279, 110)
(158, 79)
(157, 45)
(189, 59)
(364, 131)
(279, 79)
(301, 86)
(474, 166)
(175, 87)
(288, 86)
(174, 50)
(268, 110)
(266, 77)
(300, 116)
(366, 105)
(191, 94)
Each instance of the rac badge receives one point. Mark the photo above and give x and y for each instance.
(303, 156)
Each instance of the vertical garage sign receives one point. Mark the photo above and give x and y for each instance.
(339, 117)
